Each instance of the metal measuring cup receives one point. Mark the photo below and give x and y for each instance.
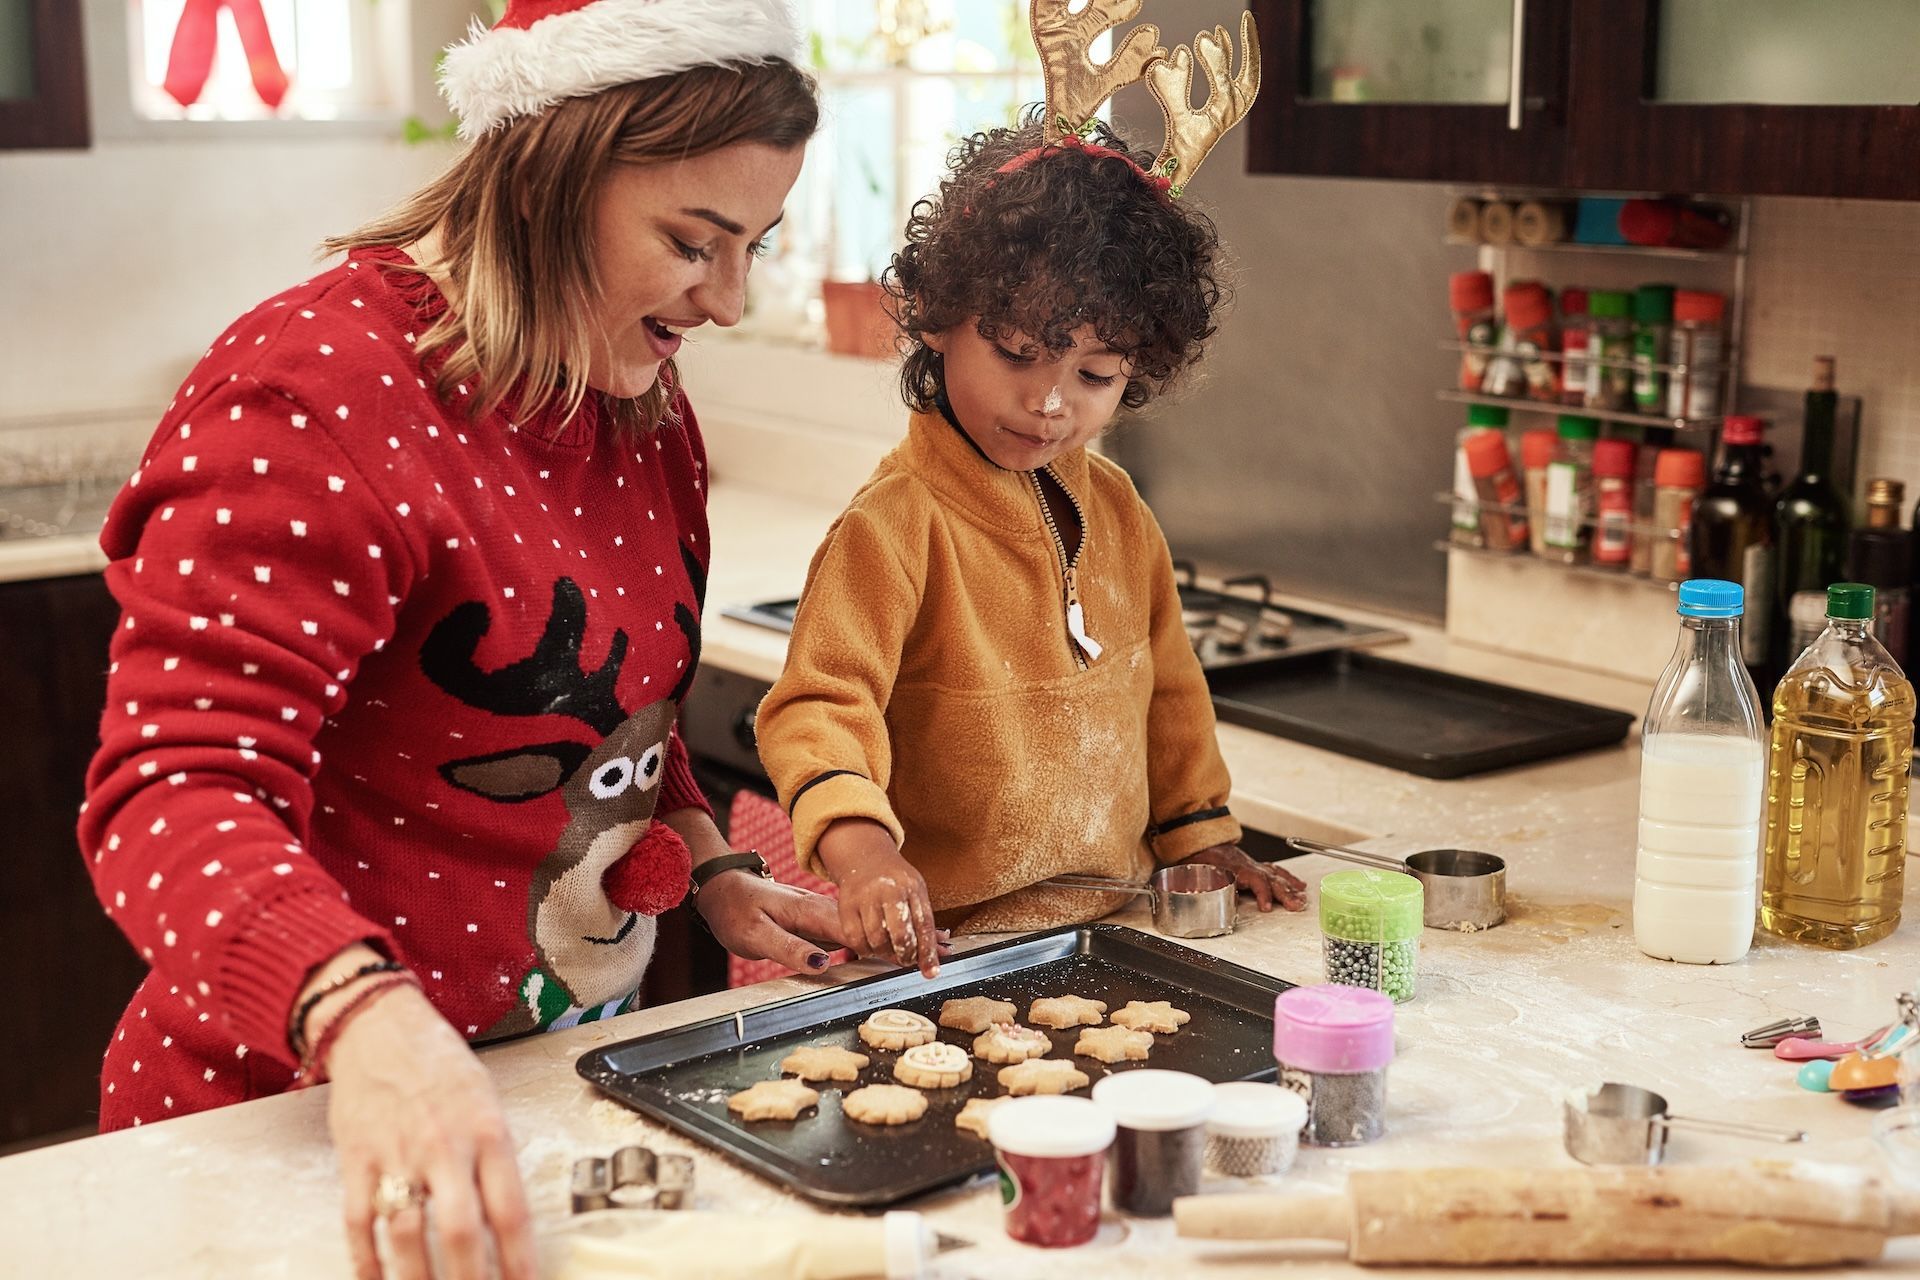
(1195, 901)
(1463, 889)
(1625, 1124)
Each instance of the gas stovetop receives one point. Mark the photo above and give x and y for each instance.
(1238, 623)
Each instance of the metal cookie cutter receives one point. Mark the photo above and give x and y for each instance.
(633, 1178)
(1786, 1028)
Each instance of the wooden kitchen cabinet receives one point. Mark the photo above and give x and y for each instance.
(43, 80)
(70, 972)
(1750, 97)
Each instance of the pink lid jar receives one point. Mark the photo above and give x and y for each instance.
(1333, 1045)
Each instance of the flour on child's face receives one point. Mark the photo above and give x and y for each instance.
(1021, 405)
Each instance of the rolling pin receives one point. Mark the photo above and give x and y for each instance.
(1763, 1215)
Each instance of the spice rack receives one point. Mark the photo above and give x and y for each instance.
(1621, 268)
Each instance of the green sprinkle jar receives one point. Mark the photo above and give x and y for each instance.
(1370, 922)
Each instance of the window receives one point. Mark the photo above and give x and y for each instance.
(342, 59)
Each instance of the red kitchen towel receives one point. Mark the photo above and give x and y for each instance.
(755, 822)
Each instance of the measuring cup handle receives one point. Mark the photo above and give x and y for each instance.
(1733, 1129)
(1097, 884)
(1379, 860)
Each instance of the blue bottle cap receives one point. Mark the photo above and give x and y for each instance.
(1711, 598)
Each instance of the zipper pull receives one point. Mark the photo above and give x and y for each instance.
(1077, 622)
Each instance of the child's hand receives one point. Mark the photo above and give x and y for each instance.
(884, 908)
(1268, 882)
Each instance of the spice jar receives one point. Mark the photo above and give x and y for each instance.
(1613, 503)
(1254, 1130)
(1160, 1139)
(1696, 348)
(1527, 337)
(1471, 293)
(1575, 338)
(1652, 316)
(1333, 1045)
(1497, 494)
(1610, 351)
(1370, 925)
(1537, 448)
(1570, 490)
(1052, 1154)
(1678, 478)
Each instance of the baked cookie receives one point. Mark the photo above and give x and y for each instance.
(1061, 1012)
(884, 1104)
(1011, 1042)
(824, 1062)
(934, 1065)
(896, 1029)
(773, 1100)
(1042, 1075)
(1114, 1044)
(1151, 1015)
(976, 1013)
(973, 1117)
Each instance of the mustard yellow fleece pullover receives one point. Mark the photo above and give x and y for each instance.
(933, 686)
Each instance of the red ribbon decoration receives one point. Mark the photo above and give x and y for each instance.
(190, 61)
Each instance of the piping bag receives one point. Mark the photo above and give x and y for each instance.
(625, 1244)
(1773, 1214)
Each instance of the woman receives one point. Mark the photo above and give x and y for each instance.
(411, 577)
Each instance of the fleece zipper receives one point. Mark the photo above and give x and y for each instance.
(1085, 648)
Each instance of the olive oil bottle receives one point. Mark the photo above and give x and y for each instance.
(1836, 846)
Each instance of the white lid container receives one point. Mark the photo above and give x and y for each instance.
(1245, 1109)
(1154, 1100)
(1050, 1127)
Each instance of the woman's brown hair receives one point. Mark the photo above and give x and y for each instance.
(514, 213)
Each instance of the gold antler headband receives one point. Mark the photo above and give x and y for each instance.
(1077, 85)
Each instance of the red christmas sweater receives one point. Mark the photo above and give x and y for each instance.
(384, 674)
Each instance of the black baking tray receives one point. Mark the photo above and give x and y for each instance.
(683, 1077)
(1407, 717)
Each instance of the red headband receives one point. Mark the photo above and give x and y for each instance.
(1158, 182)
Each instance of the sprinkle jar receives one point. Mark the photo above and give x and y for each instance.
(1370, 922)
(1053, 1155)
(1161, 1139)
(1254, 1129)
(1333, 1045)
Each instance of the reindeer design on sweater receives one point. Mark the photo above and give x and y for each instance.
(590, 950)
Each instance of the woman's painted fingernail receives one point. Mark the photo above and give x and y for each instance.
(818, 960)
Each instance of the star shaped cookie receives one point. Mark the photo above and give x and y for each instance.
(1042, 1075)
(1151, 1015)
(973, 1117)
(773, 1100)
(823, 1062)
(1066, 1011)
(976, 1013)
(1114, 1044)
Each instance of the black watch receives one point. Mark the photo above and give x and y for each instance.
(748, 861)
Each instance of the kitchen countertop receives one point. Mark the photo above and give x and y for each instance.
(1507, 1021)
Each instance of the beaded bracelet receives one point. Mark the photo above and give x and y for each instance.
(313, 1063)
(297, 1027)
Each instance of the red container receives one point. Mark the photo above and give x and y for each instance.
(1053, 1161)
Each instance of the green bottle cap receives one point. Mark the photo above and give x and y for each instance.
(1371, 906)
(1607, 304)
(1486, 415)
(1574, 427)
(1850, 601)
(1653, 304)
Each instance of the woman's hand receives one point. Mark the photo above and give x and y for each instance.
(411, 1100)
(1268, 882)
(884, 908)
(758, 919)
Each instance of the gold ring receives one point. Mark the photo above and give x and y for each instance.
(396, 1193)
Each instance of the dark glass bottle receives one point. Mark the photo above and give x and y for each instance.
(1811, 523)
(1733, 533)
(1880, 555)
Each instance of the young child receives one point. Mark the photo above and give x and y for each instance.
(989, 682)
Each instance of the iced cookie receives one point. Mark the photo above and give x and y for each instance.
(1114, 1044)
(1151, 1015)
(823, 1062)
(896, 1029)
(1066, 1011)
(973, 1117)
(935, 1065)
(884, 1104)
(1011, 1042)
(1042, 1075)
(976, 1013)
(773, 1100)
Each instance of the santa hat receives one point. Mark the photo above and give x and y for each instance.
(542, 51)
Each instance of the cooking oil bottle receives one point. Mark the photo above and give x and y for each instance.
(1837, 785)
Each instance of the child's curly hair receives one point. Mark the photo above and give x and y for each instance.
(1070, 240)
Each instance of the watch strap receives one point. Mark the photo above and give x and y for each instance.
(748, 861)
